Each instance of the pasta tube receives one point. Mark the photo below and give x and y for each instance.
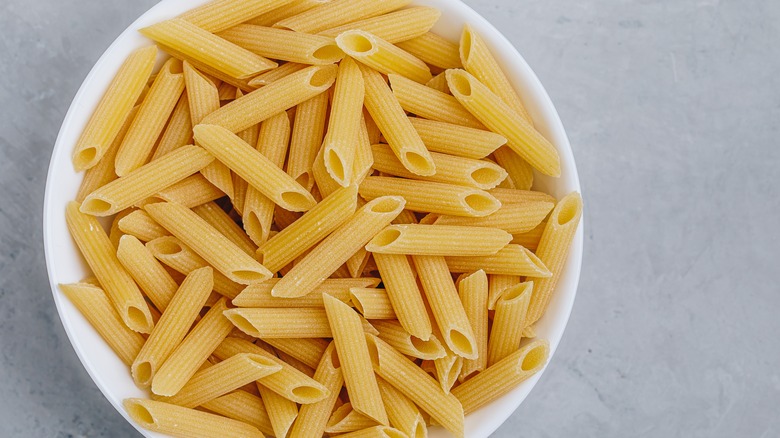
(190, 192)
(511, 260)
(307, 134)
(242, 406)
(520, 172)
(451, 139)
(139, 224)
(402, 413)
(439, 240)
(218, 15)
(473, 292)
(337, 12)
(259, 295)
(434, 50)
(509, 321)
(431, 104)
(512, 218)
(264, 322)
(345, 419)
(313, 418)
(394, 27)
(150, 275)
(395, 335)
(372, 303)
(175, 420)
(382, 56)
(344, 122)
(284, 45)
(404, 294)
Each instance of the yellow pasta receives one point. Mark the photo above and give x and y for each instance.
(335, 249)
(553, 250)
(344, 122)
(338, 12)
(259, 295)
(281, 411)
(531, 238)
(502, 377)
(274, 75)
(288, 382)
(140, 225)
(512, 218)
(497, 284)
(478, 60)
(284, 45)
(207, 48)
(138, 143)
(271, 99)
(202, 94)
(304, 233)
(394, 27)
(192, 352)
(178, 421)
(513, 196)
(372, 303)
(439, 240)
(190, 192)
(114, 233)
(240, 188)
(242, 406)
(264, 322)
(355, 360)
(404, 294)
(522, 138)
(473, 292)
(509, 321)
(307, 135)
(394, 334)
(449, 169)
(375, 432)
(413, 382)
(101, 257)
(345, 419)
(221, 221)
(402, 413)
(448, 369)
(208, 243)
(93, 303)
(325, 183)
(278, 14)
(364, 159)
(146, 181)
(150, 275)
(175, 322)
(258, 209)
(178, 132)
(219, 15)
(511, 260)
(520, 172)
(174, 254)
(395, 126)
(451, 139)
(434, 50)
(103, 173)
(382, 56)
(313, 418)
(307, 351)
(431, 104)
(445, 305)
(439, 83)
(425, 196)
(114, 108)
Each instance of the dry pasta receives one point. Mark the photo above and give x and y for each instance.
(451, 139)
(431, 104)
(175, 420)
(473, 292)
(404, 294)
(150, 275)
(337, 12)
(307, 134)
(513, 218)
(382, 56)
(511, 260)
(434, 50)
(339, 146)
(509, 321)
(218, 15)
(284, 45)
(394, 27)
(439, 240)
(139, 224)
(259, 295)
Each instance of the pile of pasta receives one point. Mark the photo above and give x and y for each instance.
(323, 223)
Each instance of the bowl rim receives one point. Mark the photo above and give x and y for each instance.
(493, 37)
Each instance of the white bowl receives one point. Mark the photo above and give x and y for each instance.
(65, 265)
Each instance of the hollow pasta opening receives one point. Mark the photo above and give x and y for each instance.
(304, 180)
(459, 83)
(569, 211)
(140, 413)
(534, 358)
(262, 361)
(335, 165)
(330, 52)
(465, 44)
(540, 266)
(487, 176)
(252, 222)
(307, 393)
(517, 291)
(387, 204)
(428, 347)
(420, 430)
(373, 350)
(296, 201)
(386, 237)
(142, 372)
(322, 77)
(241, 323)
(137, 316)
(461, 342)
(422, 164)
(356, 43)
(85, 157)
(95, 206)
(249, 276)
(166, 246)
(481, 203)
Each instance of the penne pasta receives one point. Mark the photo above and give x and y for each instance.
(430, 104)
(439, 83)
(307, 134)
(150, 275)
(497, 284)
(278, 14)
(434, 50)
(395, 126)
(382, 56)
(478, 60)
(513, 196)
(509, 321)
(372, 303)
(200, 45)
(446, 306)
(313, 418)
(208, 243)
(175, 322)
(271, 99)
(425, 196)
(402, 413)
(240, 188)
(335, 249)
(473, 292)
(394, 27)
(553, 250)
(325, 183)
(416, 384)
(451, 139)
(274, 75)
(502, 377)
(100, 255)
(404, 294)
(339, 146)
(146, 181)
(284, 45)
(522, 138)
(202, 94)
(281, 411)
(375, 432)
(192, 352)
(512, 218)
(263, 322)
(242, 406)
(338, 12)
(190, 192)
(221, 221)
(138, 144)
(114, 108)
(259, 295)
(448, 369)
(345, 419)
(139, 224)
(364, 159)
(307, 351)
(218, 15)
(260, 172)
(450, 169)
(394, 334)
(439, 240)
(178, 421)
(321, 220)
(520, 172)
(93, 303)
(511, 260)
(355, 360)
(531, 238)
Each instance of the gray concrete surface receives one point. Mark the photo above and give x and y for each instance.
(673, 109)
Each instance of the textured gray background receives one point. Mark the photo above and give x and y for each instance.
(672, 108)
